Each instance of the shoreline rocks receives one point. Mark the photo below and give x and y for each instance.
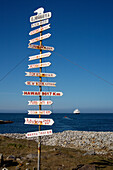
(95, 142)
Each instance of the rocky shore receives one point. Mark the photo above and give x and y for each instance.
(91, 142)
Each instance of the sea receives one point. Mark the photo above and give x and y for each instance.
(62, 122)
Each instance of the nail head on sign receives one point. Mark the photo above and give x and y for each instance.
(39, 11)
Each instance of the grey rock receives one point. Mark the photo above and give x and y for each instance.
(18, 159)
(1, 159)
(31, 156)
(89, 153)
(4, 168)
(11, 157)
(88, 167)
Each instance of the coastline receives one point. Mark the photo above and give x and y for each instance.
(88, 141)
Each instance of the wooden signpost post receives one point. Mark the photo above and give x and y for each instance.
(42, 18)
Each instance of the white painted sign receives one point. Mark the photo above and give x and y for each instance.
(36, 74)
(39, 133)
(40, 17)
(41, 47)
(36, 24)
(35, 83)
(39, 112)
(39, 56)
(41, 93)
(39, 29)
(39, 121)
(42, 102)
(46, 64)
(40, 38)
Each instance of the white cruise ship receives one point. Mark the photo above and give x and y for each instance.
(76, 111)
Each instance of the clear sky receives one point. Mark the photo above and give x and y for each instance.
(82, 31)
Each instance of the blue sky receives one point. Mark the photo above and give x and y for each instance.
(82, 31)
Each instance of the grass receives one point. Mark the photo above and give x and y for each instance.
(52, 158)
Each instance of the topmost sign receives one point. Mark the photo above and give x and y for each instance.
(40, 15)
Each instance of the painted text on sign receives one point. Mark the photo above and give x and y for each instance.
(42, 93)
(35, 83)
(40, 17)
(41, 47)
(39, 56)
(40, 38)
(46, 64)
(36, 74)
(39, 112)
(40, 102)
(39, 133)
(46, 21)
(39, 121)
(40, 29)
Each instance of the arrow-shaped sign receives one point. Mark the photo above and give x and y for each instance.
(39, 23)
(39, 56)
(40, 102)
(39, 133)
(46, 64)
(42, 93)
(40, 38)
(39, 112)
(35, 74)
(36, 83)
(41, 47)
(40, 29)
(38, 121)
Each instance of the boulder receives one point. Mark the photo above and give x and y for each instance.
(1, 159)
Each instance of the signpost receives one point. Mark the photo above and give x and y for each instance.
(39, 112)
(39, 23)
(41, 47)
(42, 18)
(46, 64)
(40, 29)
(35, 83)
(39, 133)
(38, 121)
(40, 38)
(35, 74)
(41, 93)
(39, 56)
(40, 102)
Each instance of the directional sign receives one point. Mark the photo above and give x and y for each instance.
(40, 38)
(39, 112)
(46, 64)
(40, 23)
(39, 133)
(39, 121)
(40, 17)
(41, 93)
(36, 74)
(41, 47)
(42, 102)
(40, 29)
(39, 56)
(35, 83)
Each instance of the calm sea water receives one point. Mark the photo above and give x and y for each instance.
(81, 122)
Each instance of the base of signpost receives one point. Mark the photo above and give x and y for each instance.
(39, 153)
